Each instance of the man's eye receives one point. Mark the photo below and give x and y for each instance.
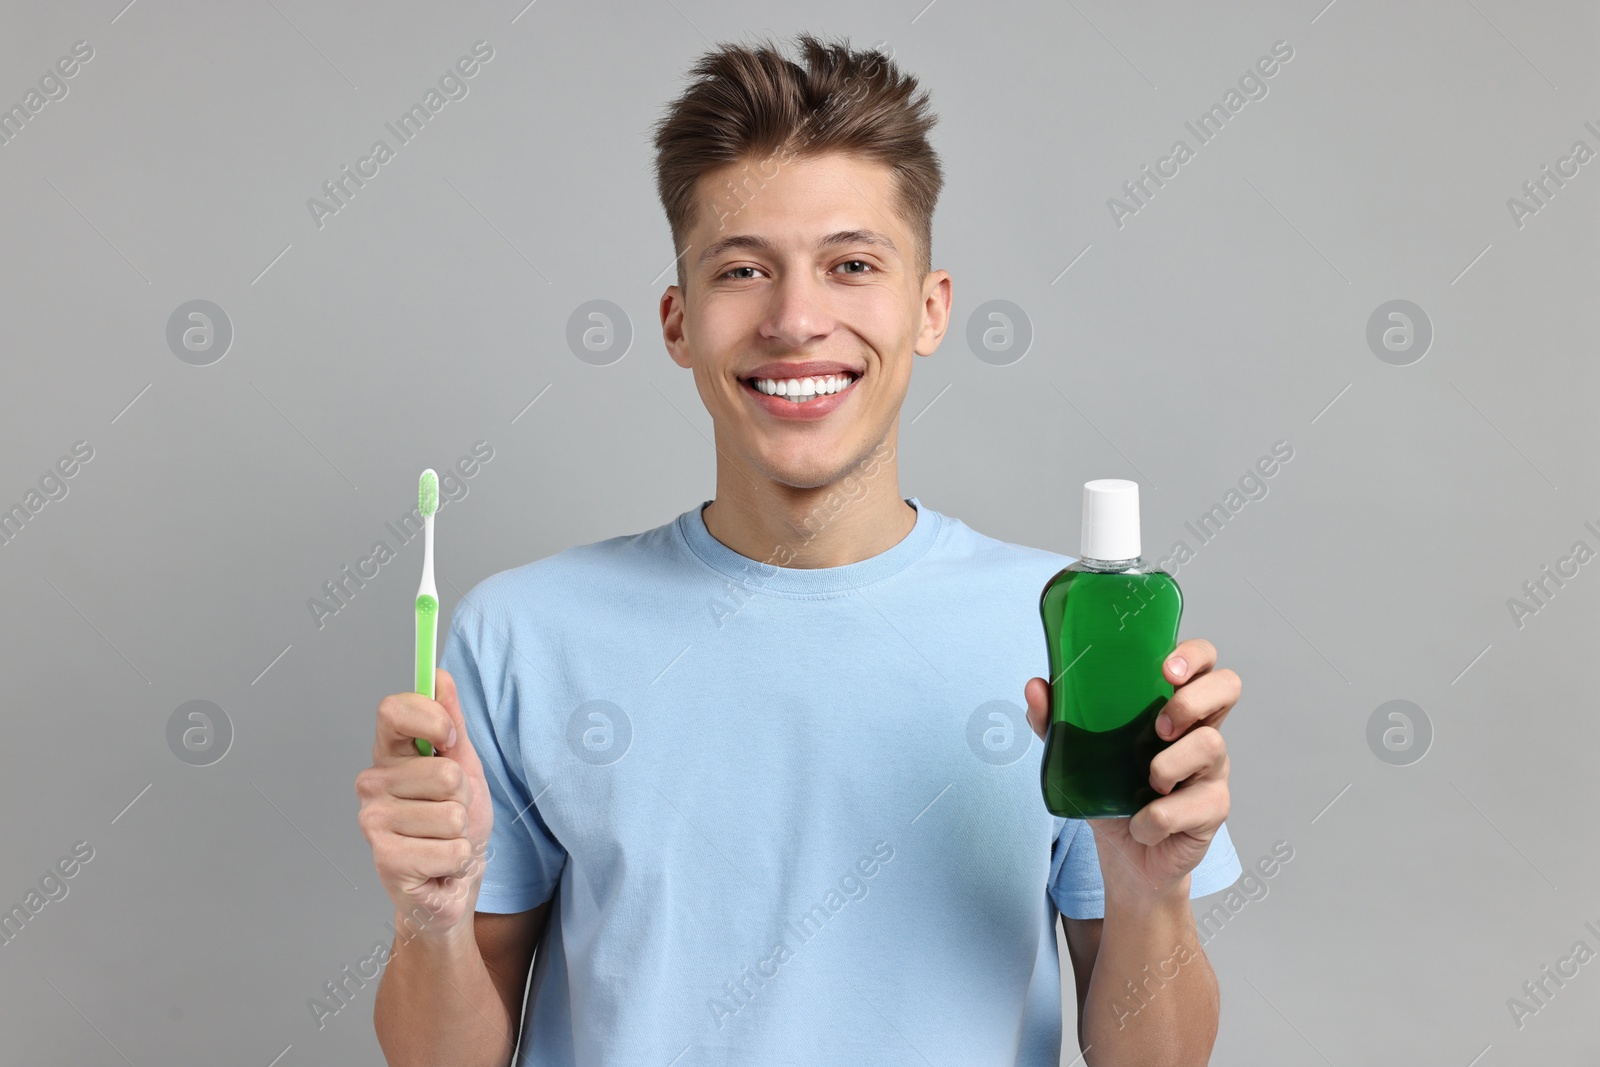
(730, 272)
(858, 262)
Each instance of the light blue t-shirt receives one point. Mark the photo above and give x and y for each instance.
(788, 815)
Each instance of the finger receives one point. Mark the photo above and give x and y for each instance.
(1207, 699)
(430, 779)
(1196, 811)
(420, 859)
(1036, 693)
(460, 749)
(1192, 657)
(444, 819)
(403, 717)
(1198, 755)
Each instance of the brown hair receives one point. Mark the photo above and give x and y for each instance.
(752, 101)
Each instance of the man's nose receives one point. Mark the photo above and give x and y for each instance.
(799, 313)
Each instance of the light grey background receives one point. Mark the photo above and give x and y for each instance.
(429, 313)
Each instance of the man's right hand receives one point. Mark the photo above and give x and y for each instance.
(427, 818)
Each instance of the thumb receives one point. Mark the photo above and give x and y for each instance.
(480, 812)
(1037, 695)
(461, 749)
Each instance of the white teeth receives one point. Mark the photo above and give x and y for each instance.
(803, 388)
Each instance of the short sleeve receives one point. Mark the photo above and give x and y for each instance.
(1079, 893)
(525, 860)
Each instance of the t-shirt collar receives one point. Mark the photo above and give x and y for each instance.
(767, 575)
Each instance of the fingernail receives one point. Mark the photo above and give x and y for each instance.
(1177, 665)
(452, 742)
(1164, 725)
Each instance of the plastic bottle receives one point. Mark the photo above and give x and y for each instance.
(1110, 620)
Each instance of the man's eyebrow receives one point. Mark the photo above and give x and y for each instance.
(761, 244)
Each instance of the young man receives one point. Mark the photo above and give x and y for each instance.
(720, 772)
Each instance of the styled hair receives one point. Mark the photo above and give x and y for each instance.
(751, 104)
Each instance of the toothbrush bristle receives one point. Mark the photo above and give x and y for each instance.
(428, 493)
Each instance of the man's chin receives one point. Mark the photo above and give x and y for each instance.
(808, 461)
(808, 469)
(814, 477)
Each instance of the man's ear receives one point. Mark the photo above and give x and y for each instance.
(672, 307)
(937, 291)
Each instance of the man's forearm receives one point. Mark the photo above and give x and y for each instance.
(419, 1012)
(1153, 998)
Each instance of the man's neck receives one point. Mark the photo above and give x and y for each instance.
(860, 516)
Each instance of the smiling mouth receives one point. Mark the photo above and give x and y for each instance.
(802, 390)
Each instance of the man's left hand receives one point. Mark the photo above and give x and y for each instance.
(1153, 851)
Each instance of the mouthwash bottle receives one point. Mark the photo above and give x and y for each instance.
(1110, 620)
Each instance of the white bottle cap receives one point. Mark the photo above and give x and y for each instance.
(1110, 519)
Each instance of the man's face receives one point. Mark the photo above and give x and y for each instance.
(807, 271)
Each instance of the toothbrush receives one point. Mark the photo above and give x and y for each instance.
(427, 596)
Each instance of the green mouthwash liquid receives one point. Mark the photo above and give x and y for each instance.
(1110, 620)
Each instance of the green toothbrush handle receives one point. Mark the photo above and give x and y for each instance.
(427, 632)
